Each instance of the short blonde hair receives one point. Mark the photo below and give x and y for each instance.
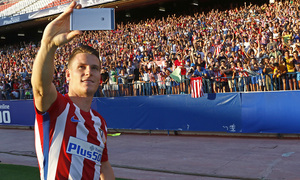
(82, 49)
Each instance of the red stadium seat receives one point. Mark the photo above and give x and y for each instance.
(6, 5)
(56, 3)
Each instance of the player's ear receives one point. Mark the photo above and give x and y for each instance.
(68, 75)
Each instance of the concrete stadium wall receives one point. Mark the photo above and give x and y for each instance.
(261, 112)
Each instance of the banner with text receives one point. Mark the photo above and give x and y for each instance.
(18, 113)
(260, 112)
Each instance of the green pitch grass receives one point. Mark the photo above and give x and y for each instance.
(17, 172)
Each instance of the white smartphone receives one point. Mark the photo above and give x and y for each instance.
(93, 19)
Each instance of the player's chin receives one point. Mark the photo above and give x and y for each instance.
(91, 90)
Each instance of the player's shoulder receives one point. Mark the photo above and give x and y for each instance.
(58, 105)
(98, 114)
(62, 99)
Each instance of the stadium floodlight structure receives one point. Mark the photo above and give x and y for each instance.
(128, 15)
(195, 3)
(162, 9)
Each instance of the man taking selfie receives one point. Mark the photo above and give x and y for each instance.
(70, 137)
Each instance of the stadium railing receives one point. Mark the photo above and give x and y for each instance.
(212, 85)
(264, 82)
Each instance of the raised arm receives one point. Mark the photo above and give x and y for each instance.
(55, 34)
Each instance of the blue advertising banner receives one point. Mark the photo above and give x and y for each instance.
(213, 112)
(271, 112)
(20, 113)
(260, 112)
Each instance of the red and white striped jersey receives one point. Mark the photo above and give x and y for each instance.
(241, 71)
(70, 143)
(196, 87)
(218, 48)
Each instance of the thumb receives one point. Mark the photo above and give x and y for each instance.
(72, 34)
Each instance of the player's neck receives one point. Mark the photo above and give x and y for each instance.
(84, 103)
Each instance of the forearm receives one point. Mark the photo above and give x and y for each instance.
(107, 172)
(43, 69)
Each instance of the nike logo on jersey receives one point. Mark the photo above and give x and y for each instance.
(74, 120)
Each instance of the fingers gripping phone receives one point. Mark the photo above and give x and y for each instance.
(93, 19)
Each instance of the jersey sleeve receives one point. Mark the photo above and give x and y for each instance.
(56, 107)
(104, 154)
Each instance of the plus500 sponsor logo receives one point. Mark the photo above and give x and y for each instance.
(85, 150)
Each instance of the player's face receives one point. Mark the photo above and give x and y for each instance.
(83, 75)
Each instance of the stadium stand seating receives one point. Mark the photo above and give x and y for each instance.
(27, 6)
(56, 3)
(36, 6)
(6, 5)
(16, 8)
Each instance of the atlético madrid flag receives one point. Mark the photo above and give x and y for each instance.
(196, 87)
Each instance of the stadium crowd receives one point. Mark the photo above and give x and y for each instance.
(249, 48)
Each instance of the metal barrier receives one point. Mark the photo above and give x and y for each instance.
(19, 94)
(214, 85)
(264, 82)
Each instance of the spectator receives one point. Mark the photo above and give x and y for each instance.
(2, 94)
(130, 71)
(290, 64)
(153, 80)
(268, 70)
(113, 80)
(224, 80)
(168, 82)
(139, 84)
(256, 78)
(104, 82)
(180, 63)
(124, 91)
(137, 77)
(231, 73)
(161, 81)
(254, 32)
(7, 88)
(283, 70)
(146, 79)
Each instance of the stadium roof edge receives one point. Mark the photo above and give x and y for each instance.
(45, 16)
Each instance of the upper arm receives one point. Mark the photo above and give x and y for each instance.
(44, 99)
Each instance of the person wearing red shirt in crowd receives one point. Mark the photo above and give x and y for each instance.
(181, 64)
(224, 81)
(15, 92)
(240, 70)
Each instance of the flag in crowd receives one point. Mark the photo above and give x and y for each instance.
(176, 75)
(196, 87)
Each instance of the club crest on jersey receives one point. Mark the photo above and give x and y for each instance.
(102, 135)
(85, 149)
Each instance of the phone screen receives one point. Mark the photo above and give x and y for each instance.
(93, 19)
